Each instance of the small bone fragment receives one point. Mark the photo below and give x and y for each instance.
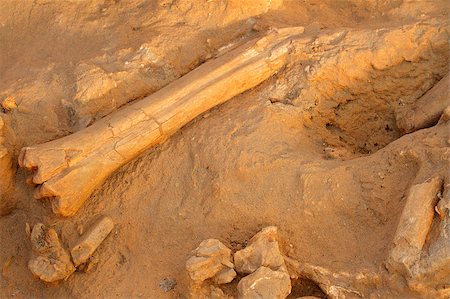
(69, 169)
(51, 262)
(262, 250)
(209, 259)
(9, 103)
(425, 111)
(89, 242)
(445, 115)
(415, 222)
(224, 276)
(335, 285)
(6, 266)
(208, 292)
(265, 283)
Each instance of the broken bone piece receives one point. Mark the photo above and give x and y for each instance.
(427, 110)
(9, 103)
(415, 223)
(336, 285)
(89, 242)
(429, 276)
(262, 250)
(69, 169)
(208, 292)
(51, 262)
(445, 117)
(265, 283)
(209, 259)
(224, 276)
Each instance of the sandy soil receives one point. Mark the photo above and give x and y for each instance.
(314, 150)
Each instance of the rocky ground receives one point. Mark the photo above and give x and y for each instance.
(329, 179)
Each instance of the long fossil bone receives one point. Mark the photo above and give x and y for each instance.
(69, 169)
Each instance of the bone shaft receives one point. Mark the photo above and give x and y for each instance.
(89, 156)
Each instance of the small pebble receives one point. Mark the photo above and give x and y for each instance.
(167, 284)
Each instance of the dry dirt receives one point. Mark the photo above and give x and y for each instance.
(314, 150)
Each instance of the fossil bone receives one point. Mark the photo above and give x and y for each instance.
(50, 262)
(69, 169)
(425, 111)
(89, 242)
(415, 221)
(421, 251)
